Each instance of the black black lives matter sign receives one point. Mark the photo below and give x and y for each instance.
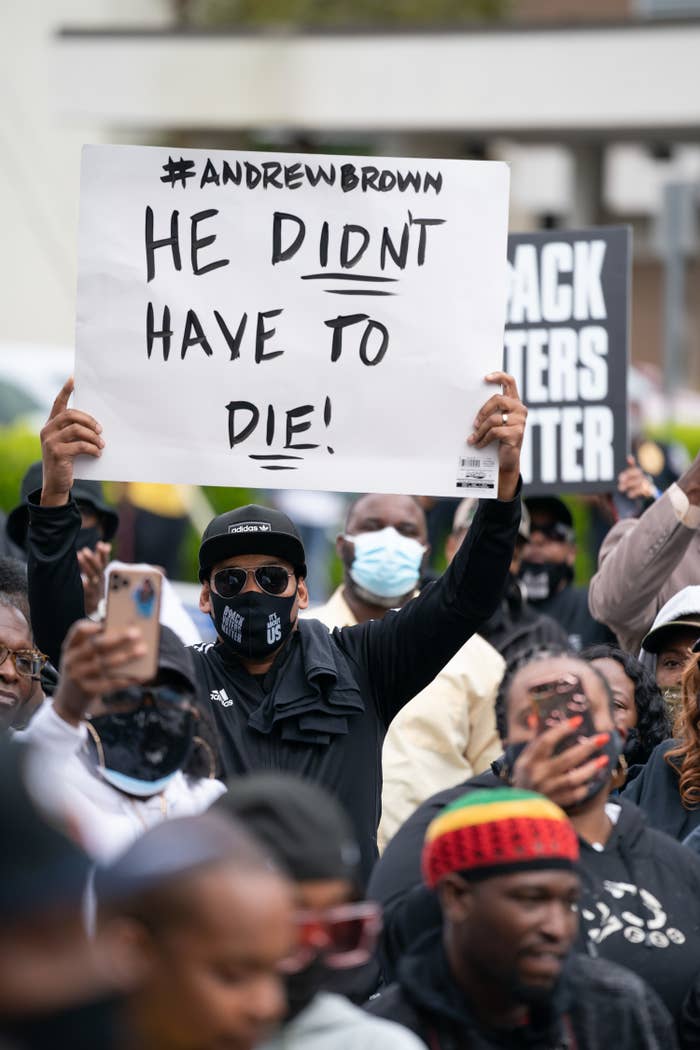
(567, 344)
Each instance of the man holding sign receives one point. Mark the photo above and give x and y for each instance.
(287, 694)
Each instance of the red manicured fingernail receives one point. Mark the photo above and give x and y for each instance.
(601, 739)
(601, 761)
(576, 721)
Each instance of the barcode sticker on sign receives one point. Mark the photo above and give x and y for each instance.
(477, 474)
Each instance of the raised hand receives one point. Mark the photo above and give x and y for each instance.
(634, 483)
(564, 778)
(502, 417)
(91, 662)
(67, 433)
(92, 566)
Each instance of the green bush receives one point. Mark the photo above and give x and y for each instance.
(339, 12)
(19, 447)
(681, 433)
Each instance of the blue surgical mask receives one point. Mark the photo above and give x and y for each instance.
(386, 565)
(134, 786)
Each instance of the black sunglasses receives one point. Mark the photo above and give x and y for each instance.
(272, 579)
(556, 530)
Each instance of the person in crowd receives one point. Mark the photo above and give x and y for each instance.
(307, 833)
(13, 584)
(21, 665)
(500, 970)
(640, 903)
(640, 714)
(668, 788)
(316, 515)
(14, 589)
(448, 731)
(8, 548)
(515, 627)
(153, 524)
(644, 561)
(286, 693)
(547, 572)
(122, 756)
(92, 544)
(200, 921)
(666, 647)
(57, 987)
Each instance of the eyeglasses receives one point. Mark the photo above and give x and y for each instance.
(272, 579)
(344, 936)
(163, 698)
(28, 662)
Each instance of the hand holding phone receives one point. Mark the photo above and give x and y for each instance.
(133, 600)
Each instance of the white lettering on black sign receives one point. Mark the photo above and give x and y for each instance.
(566, 345)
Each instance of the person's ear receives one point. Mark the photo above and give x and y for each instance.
(128, 951)
(345, 549)
(456, 897)
(302, 593)
(205, 598)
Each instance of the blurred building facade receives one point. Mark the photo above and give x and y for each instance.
(594, 103)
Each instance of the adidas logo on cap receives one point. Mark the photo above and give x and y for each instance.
(251, 526)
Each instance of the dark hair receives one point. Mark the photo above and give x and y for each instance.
(13, 584)
(363, 495)
(653, 725)
(527, 657)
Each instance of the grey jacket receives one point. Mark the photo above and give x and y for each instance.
(642, 563)
(332, 1023)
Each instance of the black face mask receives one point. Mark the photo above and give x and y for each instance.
(302, 987)
(543, 580)
(252, 625)
(141, 749)
(89, 536)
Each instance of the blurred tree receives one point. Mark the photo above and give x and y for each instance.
(336, 12)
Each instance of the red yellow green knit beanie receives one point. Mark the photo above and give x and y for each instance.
(495, 832)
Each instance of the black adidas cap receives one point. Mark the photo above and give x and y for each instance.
(251, 530)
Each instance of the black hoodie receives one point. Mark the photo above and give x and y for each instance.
(640, 906)
(593, 1005)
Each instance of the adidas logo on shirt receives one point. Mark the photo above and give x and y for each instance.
(222, 696)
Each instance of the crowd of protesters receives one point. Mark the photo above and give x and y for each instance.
(455, 812)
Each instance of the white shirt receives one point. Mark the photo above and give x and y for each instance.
(107, 821)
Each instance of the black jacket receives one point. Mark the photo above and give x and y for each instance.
(596, 1005)
(569, 607)
(640, 906)
(323, 709)
(517, 627)
(656, 792)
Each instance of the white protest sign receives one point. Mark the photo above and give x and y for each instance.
(315, 322)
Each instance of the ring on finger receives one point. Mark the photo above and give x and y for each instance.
(504, 417)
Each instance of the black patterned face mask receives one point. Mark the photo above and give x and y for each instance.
(140, 751)
(252, 625)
